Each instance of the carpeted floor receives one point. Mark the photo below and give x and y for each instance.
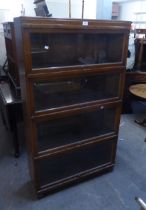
(112, 191)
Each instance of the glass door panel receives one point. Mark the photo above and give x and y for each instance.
(72, 129)
(74, 162)
(70, 49)
(70, 91)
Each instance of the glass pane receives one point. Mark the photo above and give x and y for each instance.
(71, 129)
(69, 49)
(73, 162)
(59, 93)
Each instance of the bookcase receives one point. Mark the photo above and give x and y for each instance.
(140, 43)
(72, 77)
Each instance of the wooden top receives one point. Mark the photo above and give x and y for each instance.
(138, 90)
(45, 22)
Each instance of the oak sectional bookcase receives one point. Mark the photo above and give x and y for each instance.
(72, 77)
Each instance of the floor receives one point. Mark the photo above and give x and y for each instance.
(112, 191)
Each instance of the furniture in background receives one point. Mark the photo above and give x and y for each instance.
(115, 10)
(10, 97)
(140, 42)
(133, 77)
(138, 73)
(139, 91)
(41, 8)
(11, 65)
(11, 111)
(72, 78)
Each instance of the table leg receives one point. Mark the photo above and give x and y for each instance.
(15, 141)
(141, 122)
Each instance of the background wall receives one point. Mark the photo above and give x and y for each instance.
(133, 10)
(103, 9)
(60, 8)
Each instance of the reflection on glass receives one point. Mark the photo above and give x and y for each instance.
(58, 132)
(69, 49)
(58, 93)
(73, 162)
